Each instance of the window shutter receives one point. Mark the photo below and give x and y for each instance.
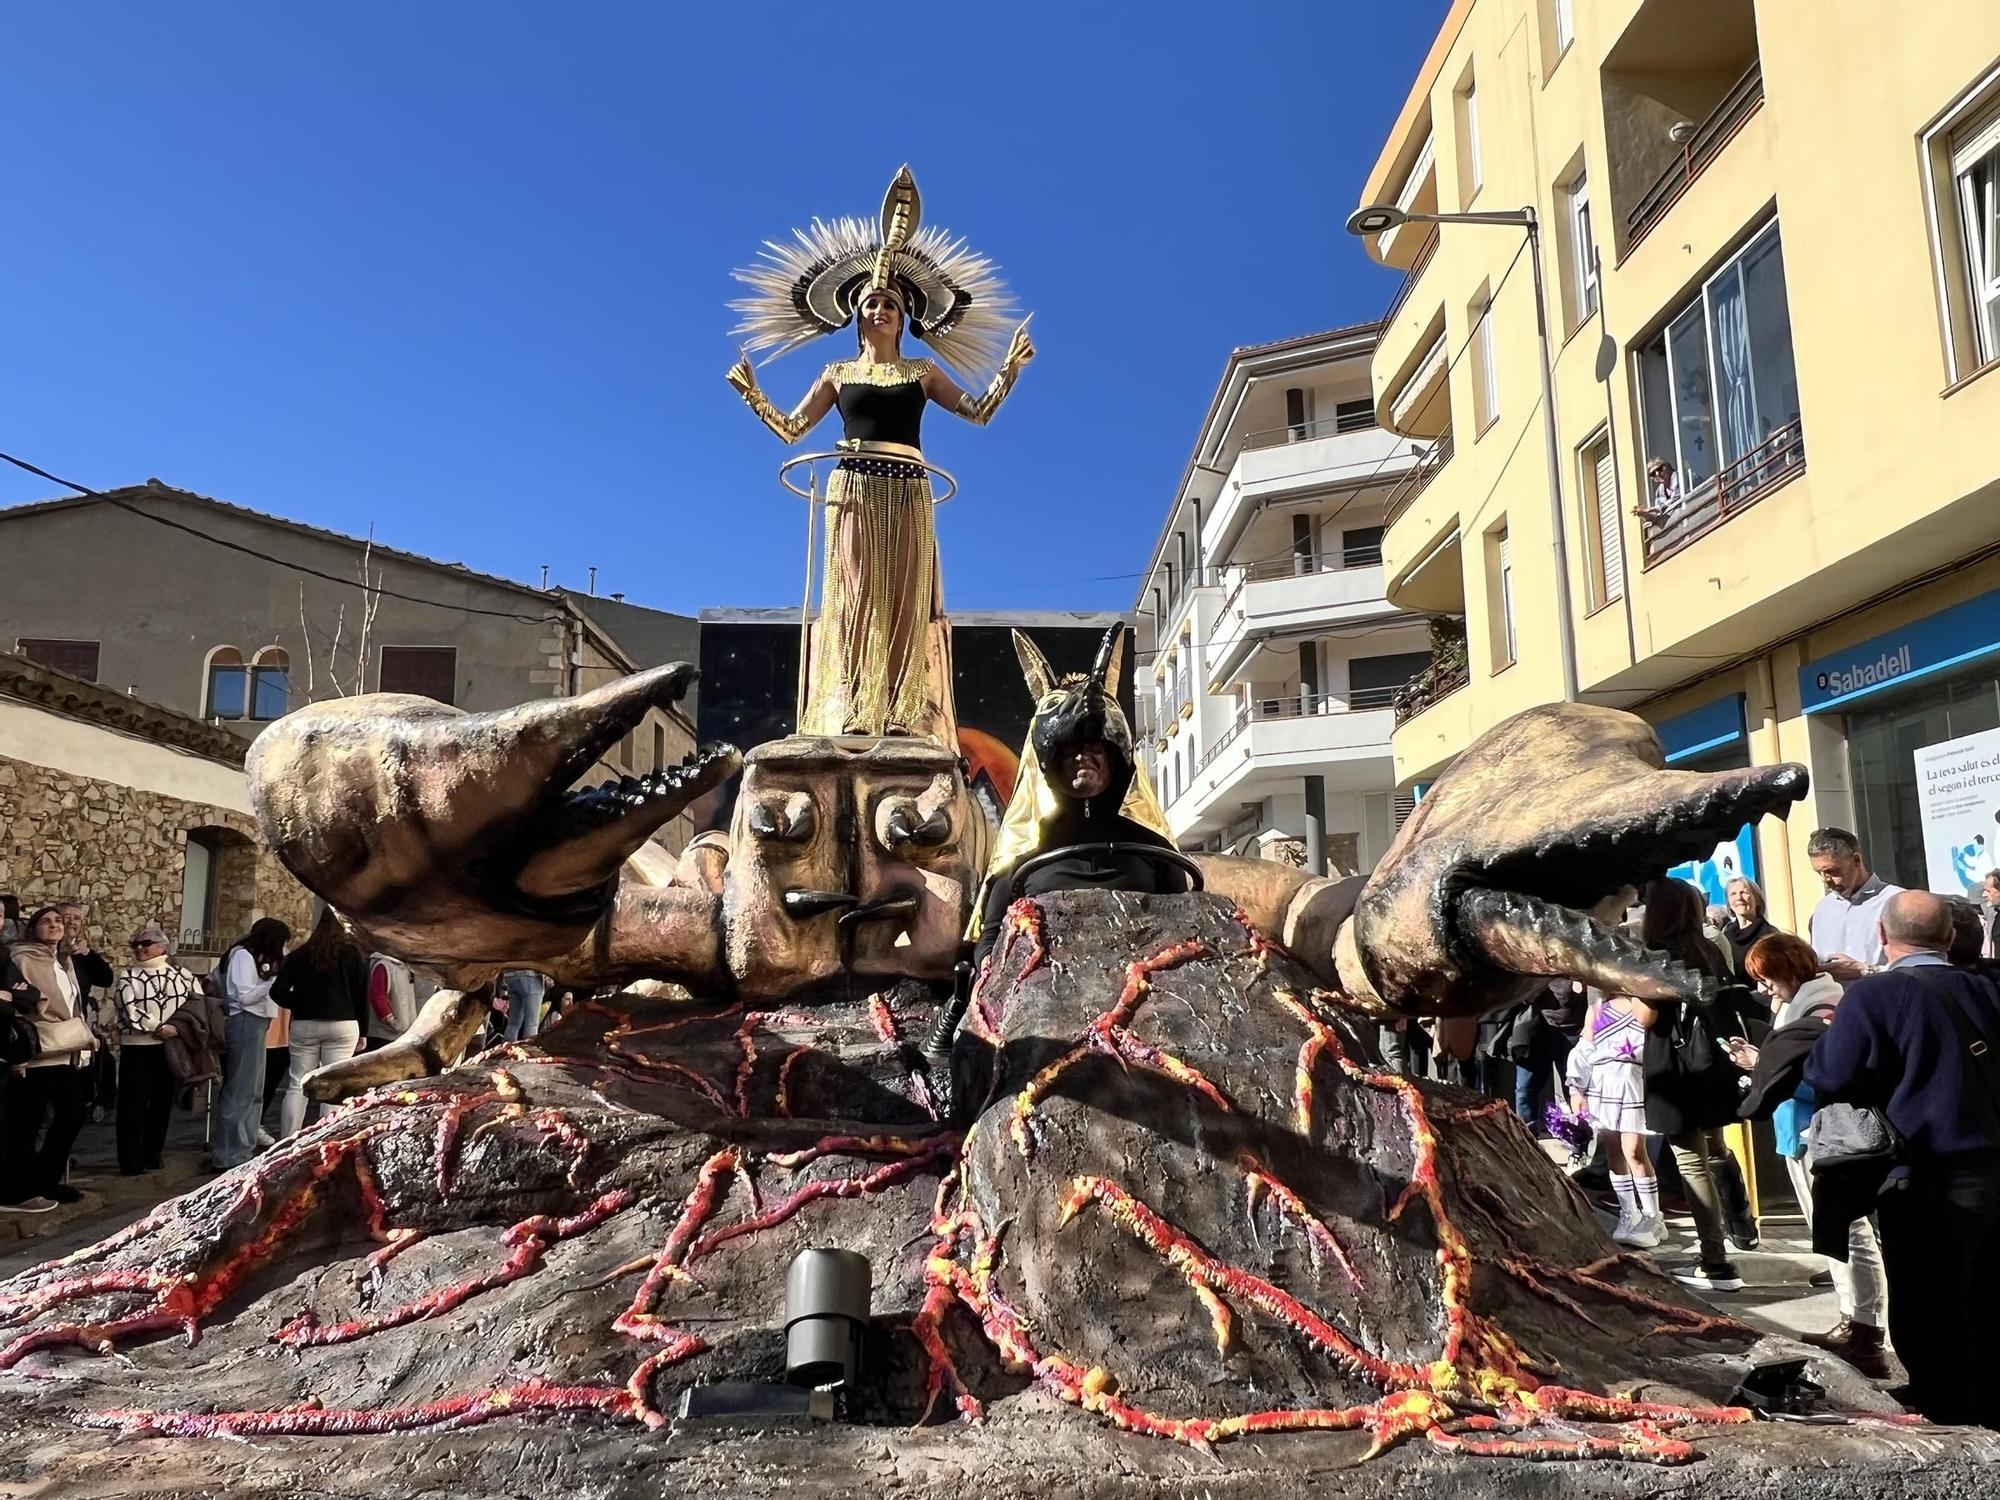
(1610, 556)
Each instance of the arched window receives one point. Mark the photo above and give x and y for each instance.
(270, 684)
(227, 694)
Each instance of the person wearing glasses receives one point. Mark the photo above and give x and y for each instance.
(1663, 492)
(148, 993)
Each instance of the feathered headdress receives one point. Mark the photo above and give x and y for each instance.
(953, 299)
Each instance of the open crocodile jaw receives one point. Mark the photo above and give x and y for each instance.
(1504, 877)
(456, 839)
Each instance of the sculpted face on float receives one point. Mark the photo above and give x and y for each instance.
(848, 856)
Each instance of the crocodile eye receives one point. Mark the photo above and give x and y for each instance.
(784, 817)
(902, 824)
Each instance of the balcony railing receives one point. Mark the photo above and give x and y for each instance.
(1714, 133)
(1410, 279)
(1304, 432)
(1300, 705)
(1418, 479)
(1438, 680)
(1736, 488)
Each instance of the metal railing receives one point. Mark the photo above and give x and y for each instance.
(1318, 427)
(1437, 681)
(1710, 136)
(1299, 705)
(1403, 494)
(1301, 564)
(1735, 488)
(1410, 278)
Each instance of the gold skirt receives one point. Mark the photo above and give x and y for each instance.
(876, 663)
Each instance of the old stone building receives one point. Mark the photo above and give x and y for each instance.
(141, 813)
(232, 616)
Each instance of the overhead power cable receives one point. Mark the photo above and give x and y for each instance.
(282, 562)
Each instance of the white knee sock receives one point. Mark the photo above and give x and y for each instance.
(1648, 1192)
(1628, 1199)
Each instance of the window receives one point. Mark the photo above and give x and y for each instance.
(1962, 178)
(270, 684)
(1485, 375)
(1598, 484)
(1373, 681)
(427, 671)
(1581, 270)
(1975, 170)
(659, 747)
(1353, 416)
(1718, 382)
(228, 690)
(1563, 22)
(1470, 175)
(1298, 414)
(76, 658)
(1501, 562)
(1361, 546)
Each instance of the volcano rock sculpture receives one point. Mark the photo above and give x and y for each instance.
(1180, 1196)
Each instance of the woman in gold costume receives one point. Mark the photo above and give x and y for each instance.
(878, 663)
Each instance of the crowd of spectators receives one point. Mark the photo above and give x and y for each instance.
(82, 1039)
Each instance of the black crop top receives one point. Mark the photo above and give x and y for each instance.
(882, 413)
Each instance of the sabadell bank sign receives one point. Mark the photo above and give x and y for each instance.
(1924, 648)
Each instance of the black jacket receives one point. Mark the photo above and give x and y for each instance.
(310, 994)
(1741, 940)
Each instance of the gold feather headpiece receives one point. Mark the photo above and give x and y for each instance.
(810, 286)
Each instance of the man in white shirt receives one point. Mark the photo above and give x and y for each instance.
(1846, 925)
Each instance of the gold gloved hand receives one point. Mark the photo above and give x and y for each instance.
(980, 409)
(742, 378)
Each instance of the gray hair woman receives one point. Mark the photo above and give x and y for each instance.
(1746, 924)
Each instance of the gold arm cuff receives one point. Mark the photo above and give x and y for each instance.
(789, 427)
(980, 409)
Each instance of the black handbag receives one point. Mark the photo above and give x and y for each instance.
(19, 1041)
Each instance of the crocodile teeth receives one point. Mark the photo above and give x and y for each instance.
(1523, 934)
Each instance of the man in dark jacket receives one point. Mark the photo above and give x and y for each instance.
(1921, 1041)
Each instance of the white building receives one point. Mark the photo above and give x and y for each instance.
(1272, 658)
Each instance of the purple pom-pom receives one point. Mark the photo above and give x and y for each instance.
(1572, 1130)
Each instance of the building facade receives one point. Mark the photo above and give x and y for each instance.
(203, 608)
(1770, 235)
(140, 813)
(1274, 656)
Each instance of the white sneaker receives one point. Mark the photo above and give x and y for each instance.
(265, 1140)
(36, 1205)
(1622, 1230)
(1647, 1233)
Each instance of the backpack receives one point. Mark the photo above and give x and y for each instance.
(214, 982)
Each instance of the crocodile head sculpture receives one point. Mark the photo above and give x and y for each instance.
(1515, 867)
(462, 843)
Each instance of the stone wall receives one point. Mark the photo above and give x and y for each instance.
(122, 851)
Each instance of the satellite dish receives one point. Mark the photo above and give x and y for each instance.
(1607, 358)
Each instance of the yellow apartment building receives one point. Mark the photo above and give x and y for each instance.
(1770, 238)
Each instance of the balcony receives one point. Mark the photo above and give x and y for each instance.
(1428, 465)
(1326, 590)
(1707, 142)
(1424, 254)
(1274, 741)
(1450, 670)
(1325, 456)
(1740, 485)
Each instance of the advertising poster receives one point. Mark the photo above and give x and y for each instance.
(1711, 876)
(1958, 801)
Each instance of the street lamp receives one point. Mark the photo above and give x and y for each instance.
(1380, 218)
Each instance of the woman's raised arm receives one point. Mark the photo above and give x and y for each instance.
(792, 426)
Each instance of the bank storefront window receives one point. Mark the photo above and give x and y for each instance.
(1898, 694)
(1882, 746)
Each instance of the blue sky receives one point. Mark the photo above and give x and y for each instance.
(458, 270)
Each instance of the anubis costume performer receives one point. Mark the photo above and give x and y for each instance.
(879, 661)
